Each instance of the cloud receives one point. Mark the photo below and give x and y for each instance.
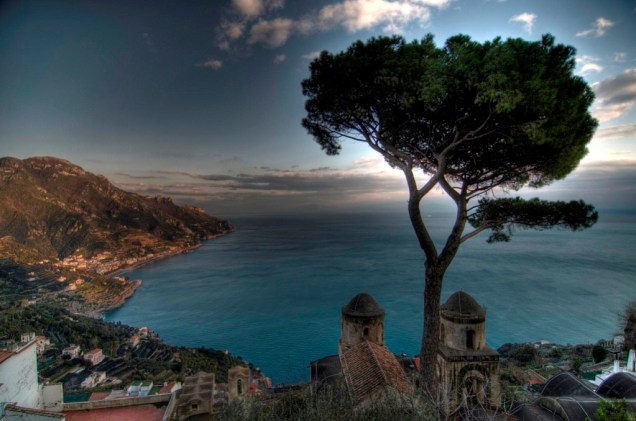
(233, 30)
(255, 8)
(272, 33)
(311, 56)
(600, 27)
(211, 64)
(591, 67)
(140, 177)
(527, 19)
(356, 15)
(617, 132)
(588, 64)
(353, 15)
(368, 183)
(280, 58)
(615, 95)
(620, 57)
(606, 184)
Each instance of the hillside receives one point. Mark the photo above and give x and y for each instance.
(53, 209)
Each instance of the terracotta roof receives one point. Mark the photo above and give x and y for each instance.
(33, 411)
(136, 412)
(168, 387)
(369, 367)
(99, 396)
(5, 355)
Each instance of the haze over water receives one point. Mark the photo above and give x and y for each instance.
(272, 291)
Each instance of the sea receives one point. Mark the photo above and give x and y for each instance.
(272, 291)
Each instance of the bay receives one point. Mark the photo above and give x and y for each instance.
(272, 291)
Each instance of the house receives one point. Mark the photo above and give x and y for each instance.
(19, 374)
(94, 379)
(95, 356)
(72, 351)
(134, 340)
(145, 388)
(133, 389)
(42, 343)
(170, 387)
(139, 388)
(19, 383)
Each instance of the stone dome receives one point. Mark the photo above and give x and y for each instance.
(461, 303)
(363, 305)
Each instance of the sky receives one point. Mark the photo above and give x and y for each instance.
(201, 100)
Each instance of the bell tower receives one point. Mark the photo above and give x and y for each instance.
(362, 319)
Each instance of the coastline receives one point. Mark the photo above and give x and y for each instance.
(136, 284)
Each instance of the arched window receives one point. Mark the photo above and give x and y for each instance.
(239, 387)
(470, 339)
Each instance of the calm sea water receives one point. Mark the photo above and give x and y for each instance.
(272, 291)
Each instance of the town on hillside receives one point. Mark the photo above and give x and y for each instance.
(129, 373)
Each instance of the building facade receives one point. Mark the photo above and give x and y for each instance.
(468, 366)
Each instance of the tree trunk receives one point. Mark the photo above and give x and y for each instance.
(430, 335)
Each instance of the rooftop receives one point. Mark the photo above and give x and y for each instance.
(363, 305)
(369, 367)
(126, 413)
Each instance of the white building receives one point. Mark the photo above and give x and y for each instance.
(94, 379)
(95, 356)
(19, 376)
(72, 351)
(19, 380)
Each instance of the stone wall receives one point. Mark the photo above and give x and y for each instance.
(116, 403)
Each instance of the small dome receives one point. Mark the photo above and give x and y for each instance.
(618, 386)
(363, 305)
(462, 303)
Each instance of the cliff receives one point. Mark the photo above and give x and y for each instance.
(53, 209)
(64, 231)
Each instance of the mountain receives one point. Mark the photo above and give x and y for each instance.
(53, 209)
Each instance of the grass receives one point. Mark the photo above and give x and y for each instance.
(330, 405)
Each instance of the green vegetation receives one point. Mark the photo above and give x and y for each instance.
(628, 323)
(614, 410)
(150, 360)
(475, 119)
(599, 353)
(54, 209)
(330, 405)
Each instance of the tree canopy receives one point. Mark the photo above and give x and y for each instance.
(501, 113)
(476, 118)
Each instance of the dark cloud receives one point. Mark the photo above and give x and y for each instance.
(141, 177)
(619, 131)
(617, 90)
(607, 185)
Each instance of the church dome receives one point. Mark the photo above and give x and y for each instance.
(363, 305)
(463, 305)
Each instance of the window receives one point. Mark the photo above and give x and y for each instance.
(365, 332)
(470, 339)
(239, 387)
(194, 407)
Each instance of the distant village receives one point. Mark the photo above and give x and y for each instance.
(39, 380)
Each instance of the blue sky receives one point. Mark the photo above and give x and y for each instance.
(201, 100)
